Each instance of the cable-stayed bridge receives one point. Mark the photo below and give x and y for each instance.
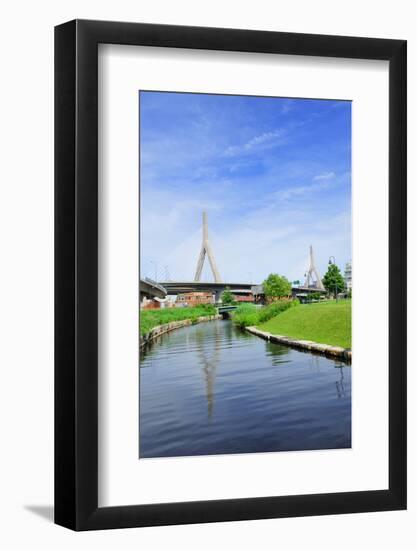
(160, 289)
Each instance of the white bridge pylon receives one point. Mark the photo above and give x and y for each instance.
(206, 249)
(313, 277)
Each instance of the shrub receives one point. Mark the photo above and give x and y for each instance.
(153, 317)
(275, 309)
(313, 296)
(247, 315)
(207, 307)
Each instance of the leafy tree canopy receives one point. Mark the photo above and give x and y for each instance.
(276, 286)
(314, 296)
(333, 280)
(227, 297)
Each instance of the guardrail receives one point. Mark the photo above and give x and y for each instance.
(154, 284)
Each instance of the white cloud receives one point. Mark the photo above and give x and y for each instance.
(257, 141)
(324, 176)
(287, 106)
(264, 240)
(323, 181)
(301, 191)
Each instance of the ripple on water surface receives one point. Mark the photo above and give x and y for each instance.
(212, 389)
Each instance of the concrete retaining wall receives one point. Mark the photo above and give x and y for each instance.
(324, 349)
(163, 329)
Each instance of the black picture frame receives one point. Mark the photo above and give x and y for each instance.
(76, 273)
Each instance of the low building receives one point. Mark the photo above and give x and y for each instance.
(348, 276)
(242, 299)
(257, 292)
(243, 296)
(150, 303)
(192, 299)
(170, 301)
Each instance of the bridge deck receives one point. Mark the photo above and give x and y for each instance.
(150, 288)
(226, 308)
(178, 287)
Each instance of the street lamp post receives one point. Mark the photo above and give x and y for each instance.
(332, 260)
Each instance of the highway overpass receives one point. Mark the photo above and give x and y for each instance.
(181, 287)
(151, 289)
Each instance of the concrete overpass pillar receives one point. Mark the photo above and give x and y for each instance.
(217, 294)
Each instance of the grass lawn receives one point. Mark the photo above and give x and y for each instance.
(151, 318)
(325, 323)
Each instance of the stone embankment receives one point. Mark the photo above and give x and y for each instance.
(163, 329)
(325, 349)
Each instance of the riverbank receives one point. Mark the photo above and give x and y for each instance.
(158, 330)
(151, 318)
(324, 349)
(327, 323)
(247, 315)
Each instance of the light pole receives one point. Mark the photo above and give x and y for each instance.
(332, 260)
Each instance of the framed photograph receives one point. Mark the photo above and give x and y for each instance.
(230, 284)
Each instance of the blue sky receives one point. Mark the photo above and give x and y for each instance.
(273, 174)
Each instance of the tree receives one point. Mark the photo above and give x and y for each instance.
(227, 297)
(276, 286)
(333, 280)
(313, 296)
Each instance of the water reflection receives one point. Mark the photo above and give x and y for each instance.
(314, 362)
(211, 388)
(340, 387)
(209, 362)
(277, 353)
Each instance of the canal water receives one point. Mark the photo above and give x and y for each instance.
(212, 389)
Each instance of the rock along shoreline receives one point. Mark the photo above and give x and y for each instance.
(314, 347)
(168, 327)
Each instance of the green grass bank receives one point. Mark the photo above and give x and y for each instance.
(325, 323)
(248, 315)
(154, 317)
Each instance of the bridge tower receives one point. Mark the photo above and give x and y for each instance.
(312, 276)
(206, 249)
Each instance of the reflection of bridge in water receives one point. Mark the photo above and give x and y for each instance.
(210, 362)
